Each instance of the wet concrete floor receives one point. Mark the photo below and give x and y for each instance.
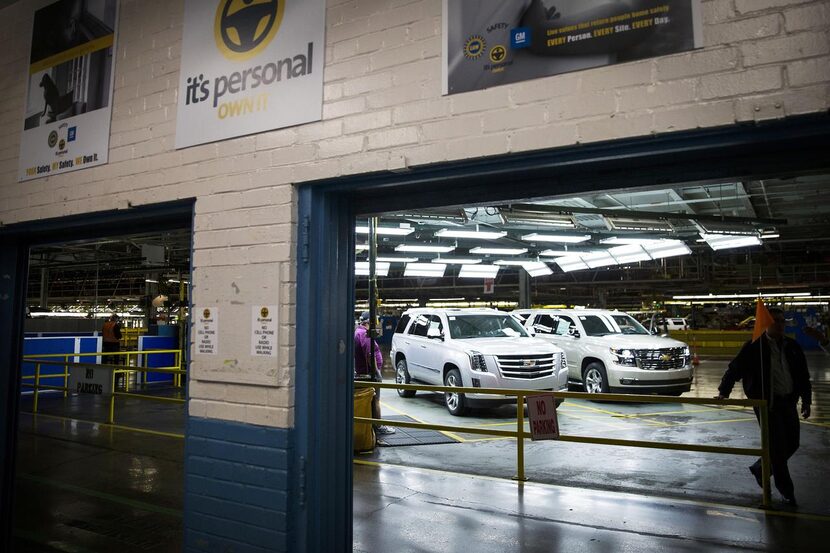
(88, 487)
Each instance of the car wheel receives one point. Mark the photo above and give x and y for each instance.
(456, 403)
(402, 377)
(594, 380)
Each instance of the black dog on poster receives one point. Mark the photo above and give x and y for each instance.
(54, 103)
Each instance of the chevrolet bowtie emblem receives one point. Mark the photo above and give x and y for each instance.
(665, 357)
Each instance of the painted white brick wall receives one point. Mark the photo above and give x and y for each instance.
(383, 110)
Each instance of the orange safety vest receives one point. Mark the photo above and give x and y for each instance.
(109, 332)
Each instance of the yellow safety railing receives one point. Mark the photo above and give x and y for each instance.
(116, 370)
(520, 434)
(131, 360)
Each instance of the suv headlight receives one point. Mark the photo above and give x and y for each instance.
(477, 362)
(624, 357)
(564, 361)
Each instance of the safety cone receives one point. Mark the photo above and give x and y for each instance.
(695, 359)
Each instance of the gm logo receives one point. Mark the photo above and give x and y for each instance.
(520, 38)
(244, 28)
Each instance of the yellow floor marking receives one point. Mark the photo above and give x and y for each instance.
(710, 422)
(108, 425)
(661, 500)
(600, 421)
(615, 414)
(451, 435)
(812, 423)
(657, 414)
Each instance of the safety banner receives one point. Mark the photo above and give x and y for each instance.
(249, 66)
(69, 96)
(494, 42)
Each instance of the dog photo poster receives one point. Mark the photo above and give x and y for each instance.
(69, 97)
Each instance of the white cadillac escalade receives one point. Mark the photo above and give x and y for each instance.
(476, 348)
(609, 351)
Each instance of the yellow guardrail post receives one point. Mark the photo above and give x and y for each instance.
(765, 458)
(520, 440)
(112, 399)
(66, 377)
(37, 387)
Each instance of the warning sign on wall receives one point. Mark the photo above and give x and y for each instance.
(264, 331)
(207, 330)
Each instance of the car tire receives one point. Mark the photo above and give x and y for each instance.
(402, 377)
(595, 379)
(456, 403)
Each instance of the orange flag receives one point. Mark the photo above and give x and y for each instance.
(763, 320)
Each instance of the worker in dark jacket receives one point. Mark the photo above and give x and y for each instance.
(781, 378)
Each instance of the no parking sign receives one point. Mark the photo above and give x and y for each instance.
(542, 412)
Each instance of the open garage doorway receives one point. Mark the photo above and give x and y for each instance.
(679, 199)
(102, 383)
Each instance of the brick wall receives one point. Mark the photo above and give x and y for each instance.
(383, 110)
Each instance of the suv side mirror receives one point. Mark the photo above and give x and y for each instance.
(435, 333)
(574, 332)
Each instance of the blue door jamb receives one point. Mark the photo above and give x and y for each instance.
(15, 242)
(325, 273)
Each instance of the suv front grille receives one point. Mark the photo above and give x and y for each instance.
(660, 359)
(528, 366)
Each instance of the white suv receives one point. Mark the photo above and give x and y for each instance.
(609, 351)
(476, 348)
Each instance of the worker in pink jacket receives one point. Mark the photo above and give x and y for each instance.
(367, 367)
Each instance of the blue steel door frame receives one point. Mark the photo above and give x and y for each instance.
(325, 273)
(15, 243)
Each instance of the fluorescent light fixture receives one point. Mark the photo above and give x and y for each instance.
(447, 299)
(599, 259)
(457, 260)
(631, 253)
(770, 236)
(386, 231)
(537, 269)
(729, 241)
(478, 271)
(483, 235)
(423, 248)
(401, 300)
(571, 263)
(728, 228)
(499, 251)
(151, 281)
(562, 253)
(660, 249)
(361, 268)
(398, 259)
(649, 225)
(561, 238)
(517, 262)
(540, 219)
(435, 270)
(746, 296)
(174, 281)
(617, 240)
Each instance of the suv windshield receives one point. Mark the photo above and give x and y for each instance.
(628, 325)
(484, 326)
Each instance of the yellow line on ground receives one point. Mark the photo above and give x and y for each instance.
(108, 425)
(637, 415)
(813, 423)
(662, 500)
(451, 435)
(615, 414)
(600, 421)
(697, 423)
